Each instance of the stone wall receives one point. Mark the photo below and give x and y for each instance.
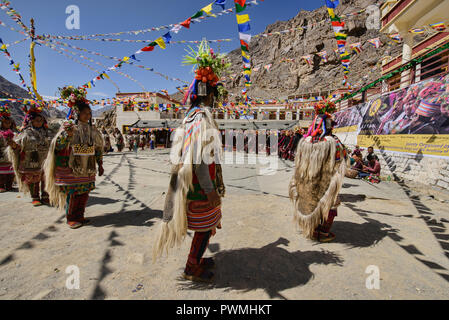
(431, 171)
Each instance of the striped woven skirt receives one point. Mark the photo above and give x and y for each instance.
(65, 177)
(6, 169)
(201, 217)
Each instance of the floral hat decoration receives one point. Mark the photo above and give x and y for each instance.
(5, 112)
(322, 123)
(73, 96)
(31, 112)
(209, 68)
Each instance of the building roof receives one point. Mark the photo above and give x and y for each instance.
(227, 124)
(147, 95)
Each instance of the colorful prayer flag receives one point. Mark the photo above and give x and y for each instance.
(440, 26)
(220, 3)
(323, 55)
(396, 37)
(167, 37)
(332, 4)
(242, 18)
(240, 5)
(417, 30)
(375, 42)
(186, 24)
(308, 59)
(356, 47)
(160, 42)
(245, 27)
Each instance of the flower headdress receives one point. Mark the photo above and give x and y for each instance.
(209, 69)
(4, 111)
(322, 124)
(32, 111)
(73, 96)
(325, 107)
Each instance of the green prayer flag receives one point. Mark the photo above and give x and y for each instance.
(239, 8)
(198, 14)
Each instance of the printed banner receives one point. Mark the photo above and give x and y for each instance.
(411, 120)
(348, 120)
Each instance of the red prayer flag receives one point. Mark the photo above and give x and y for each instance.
(149, 48)
(186, 24)
(240, 2)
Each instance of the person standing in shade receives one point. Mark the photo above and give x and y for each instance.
(136, 142)
(153, 141)
(119, 140)
(130, 140)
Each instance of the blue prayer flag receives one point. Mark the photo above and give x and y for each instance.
(244, 27)
(332, 3)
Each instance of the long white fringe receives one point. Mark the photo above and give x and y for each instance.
(310, 162)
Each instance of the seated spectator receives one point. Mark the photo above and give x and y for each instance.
(357, 150)
(358, 163)
(373, 167)
(370, 153)
(356, 166)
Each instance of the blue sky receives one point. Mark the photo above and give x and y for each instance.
(103, 16)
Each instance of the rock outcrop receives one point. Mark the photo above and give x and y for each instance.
(289, 78)
(12, 91)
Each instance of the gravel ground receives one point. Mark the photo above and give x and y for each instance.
(259, 253)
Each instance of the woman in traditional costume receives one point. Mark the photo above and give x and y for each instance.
(107, 140)
(7, 129)
(193, 200)
(152, 141)
(119, 141)
(72, 161)
(136, 142)
(320, 167)
(130, 140)
(28, 153)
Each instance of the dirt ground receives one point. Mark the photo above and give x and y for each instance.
(399, 229)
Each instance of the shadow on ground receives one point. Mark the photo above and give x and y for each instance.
(352, 198)
(95, 200)
(138, 218)
(271, 268)
(364, 235)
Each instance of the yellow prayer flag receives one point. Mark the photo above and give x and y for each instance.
(245, 55)
(106, 75)
(125, 59)
(89, 85)
(160, 42)
(3, 47)
(242, 18)
(331, 12)
(207, 9)
(340, 34)
(248, 72)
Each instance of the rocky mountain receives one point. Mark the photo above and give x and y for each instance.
(109, 120)
(13, 91)
(100, 112)
(296, 77)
